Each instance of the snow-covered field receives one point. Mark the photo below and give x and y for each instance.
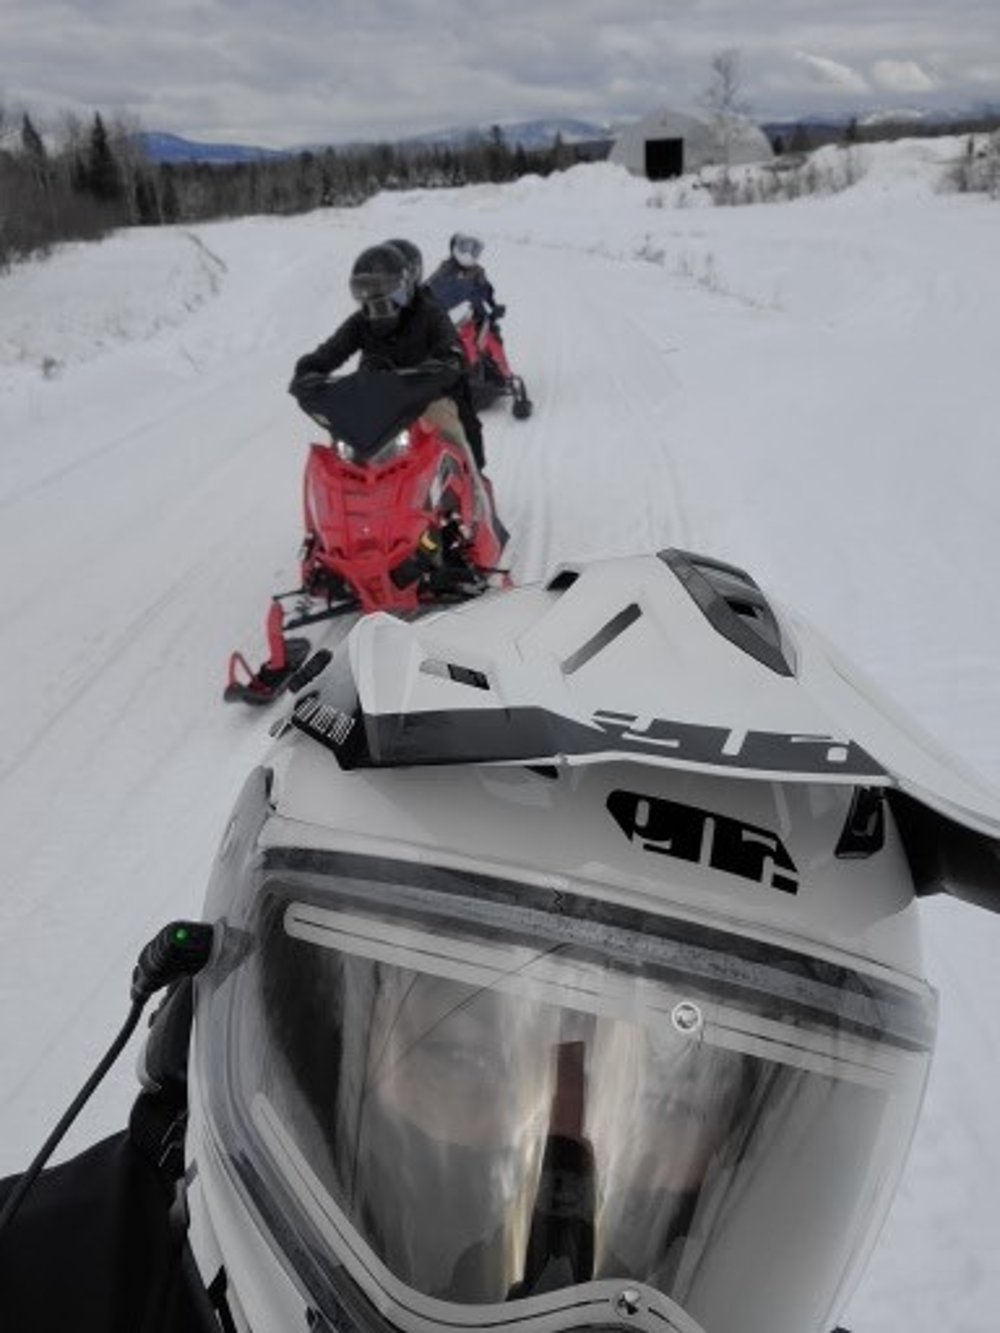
(807, 389)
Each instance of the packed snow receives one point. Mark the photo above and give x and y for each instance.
(805, 389)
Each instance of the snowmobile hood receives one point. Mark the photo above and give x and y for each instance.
(675, 660)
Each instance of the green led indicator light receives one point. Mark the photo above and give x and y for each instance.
(180, 935)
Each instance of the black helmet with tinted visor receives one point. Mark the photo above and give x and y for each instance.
(467, 1102)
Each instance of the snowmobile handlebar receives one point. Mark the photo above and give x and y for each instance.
(310, 380)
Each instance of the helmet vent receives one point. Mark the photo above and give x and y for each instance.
(616, 626)
(563, 580)
(461, 675)
(863, 833)
(734, 606)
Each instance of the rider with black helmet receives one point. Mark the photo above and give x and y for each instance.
(399, 326)
(395, 325)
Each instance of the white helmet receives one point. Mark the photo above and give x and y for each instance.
(570, 974)
(465, 250)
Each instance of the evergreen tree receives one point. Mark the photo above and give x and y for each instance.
(103, 176)
(147, 200)
(561, 157)
(497, 156)
(33, 146)
(169, 202)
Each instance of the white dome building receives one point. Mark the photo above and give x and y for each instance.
(669, 142)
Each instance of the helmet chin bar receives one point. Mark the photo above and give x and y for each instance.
(384, 308)
(271, 1301)
(500, 948)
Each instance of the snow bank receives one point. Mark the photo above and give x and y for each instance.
(88, 298)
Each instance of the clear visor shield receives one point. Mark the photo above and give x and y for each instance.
(466, 250)
(487, 1112)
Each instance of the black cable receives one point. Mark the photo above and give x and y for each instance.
(16, 1196)
(180, 949)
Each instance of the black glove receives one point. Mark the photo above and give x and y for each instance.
(306, 379)
(499, 311)
(434, 367)
(309, 364)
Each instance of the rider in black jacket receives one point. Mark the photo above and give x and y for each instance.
(398, 326)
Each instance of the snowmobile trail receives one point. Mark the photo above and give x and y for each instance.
(604, 398)
(192, 520)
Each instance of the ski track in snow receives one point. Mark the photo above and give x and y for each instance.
(803, 389)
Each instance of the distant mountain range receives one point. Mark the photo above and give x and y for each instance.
(884, 116)
(527, 134)
(162, 147)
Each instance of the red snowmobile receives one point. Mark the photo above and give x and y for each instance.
(396, 516)
(490, 375)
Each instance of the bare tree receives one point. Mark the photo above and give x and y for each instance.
(139, 200)
(723, 97)
(725, 86)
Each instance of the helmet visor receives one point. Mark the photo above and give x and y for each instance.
(488, 1104)
(467, 249)
(380, 296)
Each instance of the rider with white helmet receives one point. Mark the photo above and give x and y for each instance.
(461, 279)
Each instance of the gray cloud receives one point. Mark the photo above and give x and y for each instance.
(902, 76)
(832, 74)
(280, 72)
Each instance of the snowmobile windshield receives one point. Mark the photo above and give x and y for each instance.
(369, 407)
(466, 1103)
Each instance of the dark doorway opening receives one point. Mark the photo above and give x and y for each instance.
(664, 158)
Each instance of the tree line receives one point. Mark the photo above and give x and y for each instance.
(98, 177)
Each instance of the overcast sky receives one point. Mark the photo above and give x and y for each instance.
(286, 72)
